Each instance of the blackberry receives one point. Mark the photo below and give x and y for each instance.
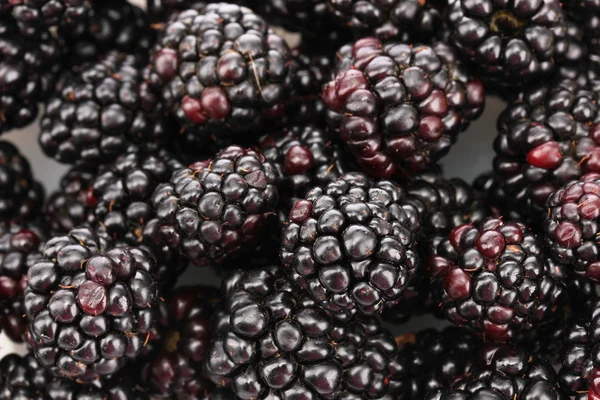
(19, 250)
(28, 71)
(175, 372)
(21, 198)
(222, 71)
(400, 107)
(216, 209)
(548, 136)
(305, 157)
(491, 190)
(494, 278)
(307, 16)
(505, 373)
(91, 307)
(70, 206)
(98, 110)
(352, 244)
(508, 42)
(432, 359)
(34, 16)
(276, 342)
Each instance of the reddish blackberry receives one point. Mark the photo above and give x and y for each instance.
(494, 278)
(400, 107)
(509, 42)
(98, 110)
(175, 372)
(505, 373)
(70, 206)
(19, 250)
(279, 343)
(91, 307)
(34, 16)
(548, 136)
(28, 70)
(216, 209)
(433, 359)
(21, 198)
(352, 244)
(222, 71)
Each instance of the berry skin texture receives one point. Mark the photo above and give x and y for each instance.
(91, 307)
(39, 15)
(509, 42)
(217, 209)
(276, 342)
(352, 244)
(495, 279)
(400, 107)
(222, 71)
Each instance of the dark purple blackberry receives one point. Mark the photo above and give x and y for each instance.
(21, 198)
(160, 10)
(509, 42)
(307, 16)
(222, 71)
(216, 209)
(548, 136)
(494, 278)
(400, 107)
(91, 307)
(276, 342)
(70, 206)
(305, 157)
(175, 372)
(28, 71)
(34, 16)
(505, 373)
(491, 190)
(352, 244)
(432, 359)
(98, 110)
(19, 250)
(571, 226)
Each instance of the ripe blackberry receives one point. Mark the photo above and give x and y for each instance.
(432, 359)
(216, 209)
(276, 342)
(91, 307)
(175, 372)
(505, 373)
(548, 136)
(19, 250)
(21, 198)
(400, 107)
(352, 244)
(223, 71)
(70, 206)
(494, 278)
(34, 16)
(28, 70)
(98, 110)
(509, 42)
(305, 157)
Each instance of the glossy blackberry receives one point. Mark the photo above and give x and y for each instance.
(432, 359)
(494, 278)
(505, 373)
(175, 372)
(28, 70)
(400, 107)
(123, 191)
(305, 157)
(571, 226)
(19, 250)
(223, 71)
(216, 209)
(34, 16)
(98, 110)
(548, 136)
(352, 244)
(21, 198)
(91, 307)
(509, 42)
(277, 342)
(70, 205)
